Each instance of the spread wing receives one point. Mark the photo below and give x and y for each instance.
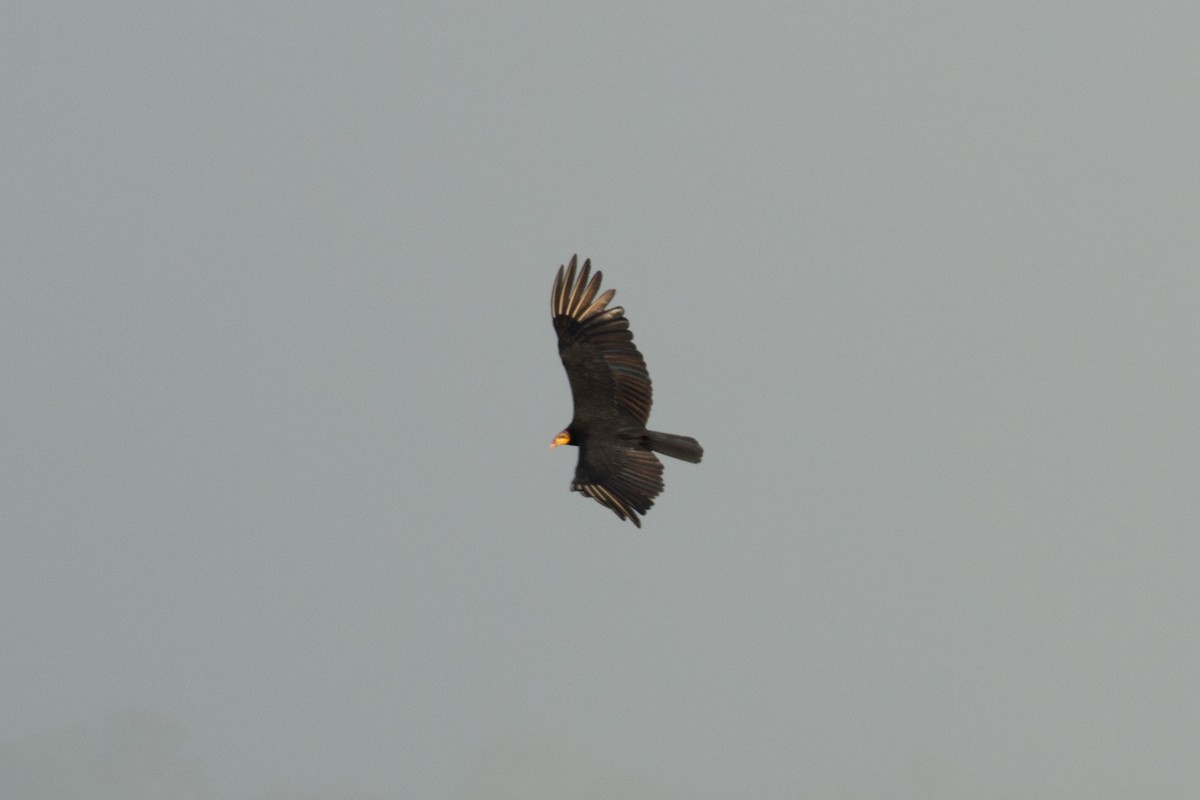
(627, 481)
(607, 373)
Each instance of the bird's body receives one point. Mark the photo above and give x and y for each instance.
(612, 395)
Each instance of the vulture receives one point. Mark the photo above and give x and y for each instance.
(611, 390)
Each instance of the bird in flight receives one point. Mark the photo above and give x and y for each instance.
(611, 389)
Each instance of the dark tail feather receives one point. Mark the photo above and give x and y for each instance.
(682, 447)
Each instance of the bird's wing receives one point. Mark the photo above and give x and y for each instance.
(606, 371)
(627, 481)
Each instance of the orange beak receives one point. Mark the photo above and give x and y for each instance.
(562, 438)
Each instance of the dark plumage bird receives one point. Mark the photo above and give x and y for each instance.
(611, 389)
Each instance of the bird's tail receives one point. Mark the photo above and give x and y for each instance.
(682, 447)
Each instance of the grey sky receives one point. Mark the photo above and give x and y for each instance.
(279, 518)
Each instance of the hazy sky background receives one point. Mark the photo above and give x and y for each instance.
(279, 518)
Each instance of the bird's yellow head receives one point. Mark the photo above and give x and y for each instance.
(562, 438)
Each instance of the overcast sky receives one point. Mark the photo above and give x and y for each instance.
(279, 520)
